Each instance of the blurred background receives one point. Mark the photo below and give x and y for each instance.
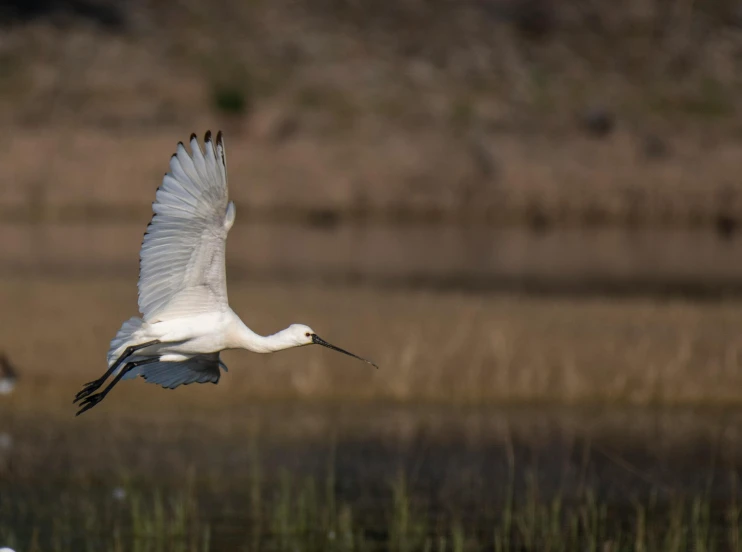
(525, 211)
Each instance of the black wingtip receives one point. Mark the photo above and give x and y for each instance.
(219, 138)
(207, 136)
(193, 137)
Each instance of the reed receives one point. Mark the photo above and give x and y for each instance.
(305, 514)
(436, 348)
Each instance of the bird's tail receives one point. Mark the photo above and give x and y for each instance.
(123, 338)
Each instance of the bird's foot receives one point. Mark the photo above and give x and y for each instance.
(87, 389)
(90, 402)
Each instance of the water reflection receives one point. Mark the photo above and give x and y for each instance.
(466, 256)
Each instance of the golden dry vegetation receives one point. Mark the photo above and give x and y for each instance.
(420, 110)
(91, 174)
(441, 348)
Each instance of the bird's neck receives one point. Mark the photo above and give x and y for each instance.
(242, 337)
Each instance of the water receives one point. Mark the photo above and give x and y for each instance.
(472, 256)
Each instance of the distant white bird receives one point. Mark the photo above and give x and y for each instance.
(187, 320)
(8, 376)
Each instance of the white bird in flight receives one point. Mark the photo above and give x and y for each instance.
(186, 319)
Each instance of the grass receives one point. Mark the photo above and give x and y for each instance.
(140, 522)
(196, 478)
(445, 348)
(570, 179)
(307, 515)
(332, 66)
(415, 53)
(230, 100)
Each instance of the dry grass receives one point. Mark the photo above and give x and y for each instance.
(441, 348)
(89, 174)
(417, 63)
(377, 109)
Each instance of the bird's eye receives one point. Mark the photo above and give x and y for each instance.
(308, 334)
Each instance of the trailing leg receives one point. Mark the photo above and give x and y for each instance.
(94, 385)
(92, 400)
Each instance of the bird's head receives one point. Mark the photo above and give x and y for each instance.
(301, 334)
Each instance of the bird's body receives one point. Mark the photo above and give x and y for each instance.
(200, 334)
(186, 319)
(190, 335)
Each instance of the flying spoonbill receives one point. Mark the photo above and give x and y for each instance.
(186, 319)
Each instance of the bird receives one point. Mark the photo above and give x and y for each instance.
(8, 376)
(186, 320)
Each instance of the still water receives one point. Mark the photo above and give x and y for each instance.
(465, 256)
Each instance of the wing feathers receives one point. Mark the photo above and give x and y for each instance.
(183, 249)
(199, 369)
(198, 160)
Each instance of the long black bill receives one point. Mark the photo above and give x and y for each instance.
(319, 341)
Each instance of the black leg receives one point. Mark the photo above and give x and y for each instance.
(94, 385)
(92, 400)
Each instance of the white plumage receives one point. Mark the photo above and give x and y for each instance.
(182, 257)
(186, 319)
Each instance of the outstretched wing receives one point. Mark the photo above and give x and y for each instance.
(181, 263)
(198, 369)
